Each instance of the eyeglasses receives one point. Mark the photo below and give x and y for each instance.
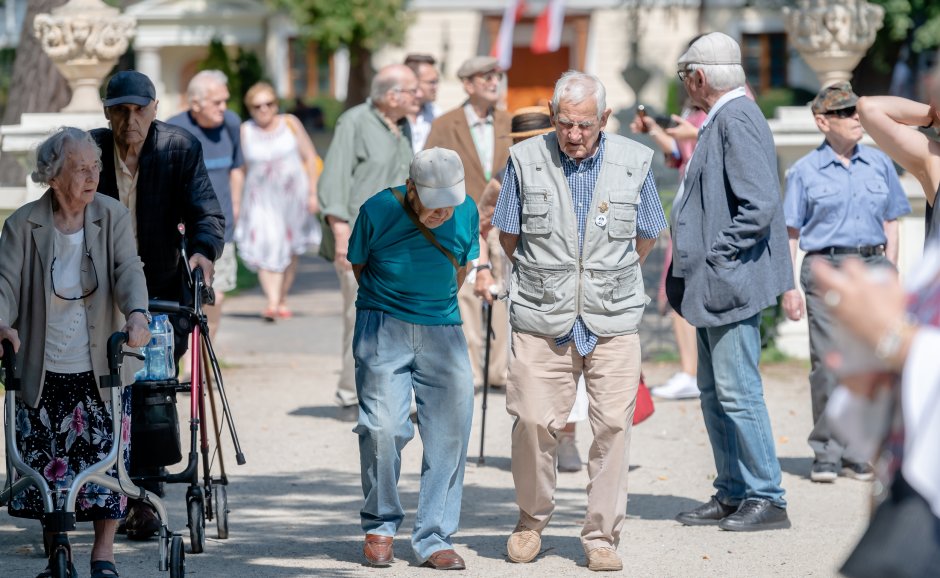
(842, 112)
(84, 295)
(411, 91)
(684, 73)
(566, 124)
(261, 105)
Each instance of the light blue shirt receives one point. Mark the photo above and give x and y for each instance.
(833, 205)
(405, 275)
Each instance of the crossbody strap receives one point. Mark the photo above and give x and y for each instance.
(397, 191)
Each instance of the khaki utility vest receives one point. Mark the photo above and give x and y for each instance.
(552, 284)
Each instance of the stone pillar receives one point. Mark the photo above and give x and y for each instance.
(833, 35)
(84, 38)
(148, 63)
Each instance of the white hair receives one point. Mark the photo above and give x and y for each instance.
(201, 83)
(575, 87)
(721, 77)
(52, 152)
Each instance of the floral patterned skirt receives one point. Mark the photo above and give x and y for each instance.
(69, 431)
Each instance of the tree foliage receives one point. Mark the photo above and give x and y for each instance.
(363, 26)
(368, 24)
(916, 20)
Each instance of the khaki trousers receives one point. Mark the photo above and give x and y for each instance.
(474, 324)
(346, 388)
(543, 381)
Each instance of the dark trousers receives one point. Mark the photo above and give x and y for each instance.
(822, 380)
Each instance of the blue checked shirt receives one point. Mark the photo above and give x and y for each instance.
(582, 177)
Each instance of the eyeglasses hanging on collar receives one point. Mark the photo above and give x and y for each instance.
(86, 254)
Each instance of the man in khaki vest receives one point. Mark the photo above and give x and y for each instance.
(578, 212)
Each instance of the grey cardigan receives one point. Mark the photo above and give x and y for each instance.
(731, 256)
(26, 248)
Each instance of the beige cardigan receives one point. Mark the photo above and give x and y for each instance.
(26, 249)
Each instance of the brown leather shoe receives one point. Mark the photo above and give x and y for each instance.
(378, 550)
(445, 560)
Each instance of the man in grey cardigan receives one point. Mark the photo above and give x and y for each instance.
(730, 261)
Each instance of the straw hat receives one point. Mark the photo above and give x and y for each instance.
(530, 121)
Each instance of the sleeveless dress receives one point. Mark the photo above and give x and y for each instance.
(274, 224)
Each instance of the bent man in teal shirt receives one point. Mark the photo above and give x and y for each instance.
(409, 250)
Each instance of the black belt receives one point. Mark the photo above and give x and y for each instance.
(864, 251)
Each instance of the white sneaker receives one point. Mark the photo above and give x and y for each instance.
(680, 386)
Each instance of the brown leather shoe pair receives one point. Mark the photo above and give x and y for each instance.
(445, 560)
(378, 550)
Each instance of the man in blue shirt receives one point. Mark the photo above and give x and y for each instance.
(218, 129)
(409, 250)
(842, 199)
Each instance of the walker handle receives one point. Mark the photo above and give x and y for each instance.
(10, 381)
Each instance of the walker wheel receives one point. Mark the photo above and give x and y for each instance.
(177, 558)
(221, 511)
(59, 563)
(197, 525)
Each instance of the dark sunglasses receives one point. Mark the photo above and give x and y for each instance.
(261, 105)
(80, 297)
(842, 112)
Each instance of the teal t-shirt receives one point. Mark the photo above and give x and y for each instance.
(405, 275)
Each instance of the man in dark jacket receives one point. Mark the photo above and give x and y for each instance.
(157, 171)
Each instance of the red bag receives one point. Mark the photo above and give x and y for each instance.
(644, 403)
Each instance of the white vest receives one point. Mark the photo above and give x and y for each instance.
(551, 283)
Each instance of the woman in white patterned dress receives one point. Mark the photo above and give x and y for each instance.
(276, 216)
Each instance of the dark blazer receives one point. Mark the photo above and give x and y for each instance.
(452, 131)
(729, 235)
(172, 187)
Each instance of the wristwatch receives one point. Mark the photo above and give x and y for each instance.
(146, 313)
(483, 266)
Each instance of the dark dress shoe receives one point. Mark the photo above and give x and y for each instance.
(754, 515)
(445, 560)
(708, 514)
(378, 550)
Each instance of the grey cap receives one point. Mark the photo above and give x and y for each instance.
(438, 177)
(129, 87)
(477, 65)
(714, 48)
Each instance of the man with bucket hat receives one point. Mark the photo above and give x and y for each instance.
(157, 171)
(842, 200)
(410, 251)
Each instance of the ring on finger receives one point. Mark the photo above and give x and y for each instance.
(832, 298)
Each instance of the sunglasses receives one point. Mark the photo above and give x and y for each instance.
(82, 296)
(261, 105)
(842, 112)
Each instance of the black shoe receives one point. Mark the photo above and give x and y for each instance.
(754, 515)
(142, 521)
(824, 472)
(708, 514)
(860, 472)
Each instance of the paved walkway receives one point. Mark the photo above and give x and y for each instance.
(295, 503)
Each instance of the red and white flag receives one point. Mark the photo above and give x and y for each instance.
(547, 34)
(502, 48)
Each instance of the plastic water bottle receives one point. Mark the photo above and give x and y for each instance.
(158, 354)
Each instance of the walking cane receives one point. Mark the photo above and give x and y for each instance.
(488, 309)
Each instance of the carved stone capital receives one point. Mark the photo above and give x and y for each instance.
(832, 36)
(84, 38)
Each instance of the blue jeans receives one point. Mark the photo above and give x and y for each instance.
(394, 358)
(735, 414)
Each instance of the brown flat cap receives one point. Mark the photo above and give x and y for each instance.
(530, 121)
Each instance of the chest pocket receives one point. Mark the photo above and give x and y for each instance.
(536, 211)
(825, 201)
(878, 197)
(623, 210)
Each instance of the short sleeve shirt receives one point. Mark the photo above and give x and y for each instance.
(834, 205)
(405, 275)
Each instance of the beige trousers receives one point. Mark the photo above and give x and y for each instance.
(474, 323)
(540, 394)
(346, 388)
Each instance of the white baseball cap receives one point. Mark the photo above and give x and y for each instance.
(438, 176)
